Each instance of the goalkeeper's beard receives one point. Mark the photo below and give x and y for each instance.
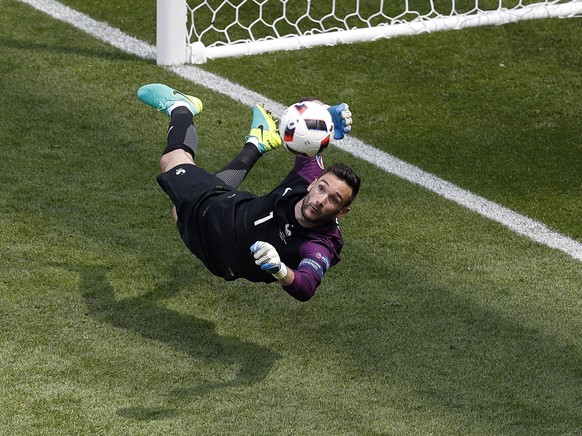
(308, 212)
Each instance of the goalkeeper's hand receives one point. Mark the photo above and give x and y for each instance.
(342, 119)
(267, 257)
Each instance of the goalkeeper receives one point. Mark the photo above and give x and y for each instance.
(289, 235)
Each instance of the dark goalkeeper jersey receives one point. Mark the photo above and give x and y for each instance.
(227, 222)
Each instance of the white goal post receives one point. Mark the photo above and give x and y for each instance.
(194, 31)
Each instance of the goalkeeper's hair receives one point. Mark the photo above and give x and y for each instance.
(348, 175)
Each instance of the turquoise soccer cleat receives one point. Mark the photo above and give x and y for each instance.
(164, 98)
(264, 128)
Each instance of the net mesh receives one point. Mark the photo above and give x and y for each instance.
(226, 22)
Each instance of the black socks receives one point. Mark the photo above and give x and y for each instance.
(237, 169)
(182, 133)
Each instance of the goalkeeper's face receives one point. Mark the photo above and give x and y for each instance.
(325, 200)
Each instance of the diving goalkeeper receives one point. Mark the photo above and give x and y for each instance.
(289, 235)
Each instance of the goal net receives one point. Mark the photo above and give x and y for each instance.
(193, 31)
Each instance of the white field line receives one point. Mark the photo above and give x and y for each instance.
(520, 224)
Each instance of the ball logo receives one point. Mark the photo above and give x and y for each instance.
(290, 130)
(301, 107)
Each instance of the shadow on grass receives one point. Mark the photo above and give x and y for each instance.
(185, 333)
(64, 49)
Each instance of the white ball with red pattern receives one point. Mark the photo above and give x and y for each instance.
(306, 128)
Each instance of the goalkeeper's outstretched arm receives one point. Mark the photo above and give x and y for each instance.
(301, 283)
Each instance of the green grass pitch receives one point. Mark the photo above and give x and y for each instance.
(437, 321)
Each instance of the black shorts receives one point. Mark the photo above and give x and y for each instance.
(191, 188)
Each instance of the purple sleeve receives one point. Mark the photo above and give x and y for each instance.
(304, 284)
(309, 168)
(308, 275)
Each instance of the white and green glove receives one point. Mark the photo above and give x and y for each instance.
(267, 257)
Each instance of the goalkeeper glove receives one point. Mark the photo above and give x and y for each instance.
(267, 257)
(342, 119)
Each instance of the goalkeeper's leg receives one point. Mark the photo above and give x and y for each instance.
(182, 140)
(234, 172)
(182, 135)
(262, 138)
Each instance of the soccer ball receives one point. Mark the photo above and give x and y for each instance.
(306, 128)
